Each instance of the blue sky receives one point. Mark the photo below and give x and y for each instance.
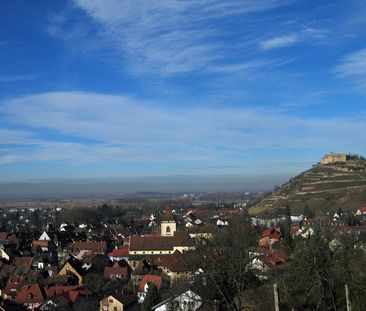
(114, 88)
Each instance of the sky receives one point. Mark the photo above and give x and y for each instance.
(131, 88)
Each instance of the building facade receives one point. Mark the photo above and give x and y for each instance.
(333, 158)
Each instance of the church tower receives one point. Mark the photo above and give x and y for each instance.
(168, 224)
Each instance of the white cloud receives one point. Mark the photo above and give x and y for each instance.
(353, 67)
(101, 127)
(279, 42)
(165, 37)
(353, 64)
(306, 33)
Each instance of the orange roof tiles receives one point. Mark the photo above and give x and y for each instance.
(30, 294)
(92, 246)
(119, 252)
(149, 278)
(40, 243)
(147, 243)
(116, 272)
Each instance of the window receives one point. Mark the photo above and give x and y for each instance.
(168, 229)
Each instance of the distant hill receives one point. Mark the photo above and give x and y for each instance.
(324, 187)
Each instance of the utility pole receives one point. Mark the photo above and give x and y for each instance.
(276, 300)
(348, 301)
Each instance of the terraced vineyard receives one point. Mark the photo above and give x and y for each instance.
(322, 188)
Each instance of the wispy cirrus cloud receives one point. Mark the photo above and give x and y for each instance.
(17, 78)
(353, 64)
(304, 34)
(123, 129)
(163, 37)
(353, 68)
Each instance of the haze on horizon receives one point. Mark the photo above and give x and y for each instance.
(119, 187)
(103, 89)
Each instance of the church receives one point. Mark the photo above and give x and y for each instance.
(167, 242)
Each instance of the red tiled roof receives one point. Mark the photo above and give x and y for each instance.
(272, 233)
(69, 292)
(119, 252)
(40, 243)
(116, 272)
(147, 279)
(93, 246)
(168, 216)
(278, 260)
(22, 261)
(58, 290)
(13, 285)
(74, 294)
(180, 238)
(30, 294)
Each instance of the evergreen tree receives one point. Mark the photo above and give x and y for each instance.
(288, 241)
(152, 298)
(307, 212)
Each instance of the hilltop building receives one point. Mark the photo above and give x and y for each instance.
(333, 158)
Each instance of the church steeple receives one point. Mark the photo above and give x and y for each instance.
(168, 224)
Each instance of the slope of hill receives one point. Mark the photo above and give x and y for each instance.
(323, 188)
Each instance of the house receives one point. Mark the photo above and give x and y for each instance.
(7, 238)
(32, 296)
(44, 237)
(73, 267)
(176, 265)
(159, 244)
(43, 246)
(4, 254)
(157, 280)
(118, 302)
(118, 254)
(117, 272)
(96, 247)
(187, 301)
(277, 260)
(361, 211)
(270, 236)
(66, 295)
(13, 286)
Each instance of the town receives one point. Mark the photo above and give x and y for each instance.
(182, 155)
(175, 257)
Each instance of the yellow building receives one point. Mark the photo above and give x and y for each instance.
(73, 267)
(117, 302)
(333, 158)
